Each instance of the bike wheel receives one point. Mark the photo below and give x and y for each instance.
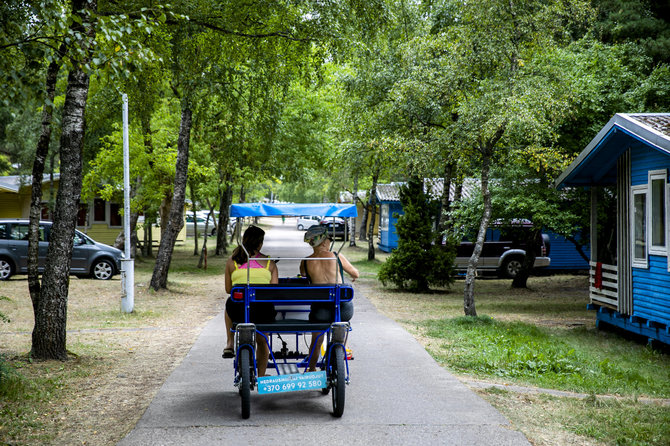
(339, 373)
(245, 382)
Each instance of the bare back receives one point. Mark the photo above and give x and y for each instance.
(327, 271)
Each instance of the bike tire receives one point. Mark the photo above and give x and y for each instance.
(338, 380)
(245, 382)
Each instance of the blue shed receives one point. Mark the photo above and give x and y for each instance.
(565, 256)
(631, 154)
(388, 197)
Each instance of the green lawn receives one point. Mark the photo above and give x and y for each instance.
(541, 337)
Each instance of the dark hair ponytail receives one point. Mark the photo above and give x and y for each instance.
(252, 240)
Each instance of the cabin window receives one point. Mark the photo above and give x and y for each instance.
(45, 212)
(82, 215)
(639, 226)
(99, 211)
(115, 217)
(657, 212)
(384, 218)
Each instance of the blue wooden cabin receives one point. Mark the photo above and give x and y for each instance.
(388, 197)
(630, 155)
(564, 255)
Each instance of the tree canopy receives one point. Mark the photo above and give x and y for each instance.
(304, 100)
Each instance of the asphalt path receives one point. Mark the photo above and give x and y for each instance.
(398, 393)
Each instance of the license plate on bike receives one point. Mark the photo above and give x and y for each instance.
(292, 382)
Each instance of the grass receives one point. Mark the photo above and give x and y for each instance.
(542, 337)
(549, 420)
(561, 359)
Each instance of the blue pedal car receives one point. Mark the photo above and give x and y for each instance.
(292, 299)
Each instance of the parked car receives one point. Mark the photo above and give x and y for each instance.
(337, 229)
(504, 251)
(89, 258)
(200, 223)
(307, 221)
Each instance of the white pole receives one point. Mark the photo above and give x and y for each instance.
(128, 264)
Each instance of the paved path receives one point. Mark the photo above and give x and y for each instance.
(398, 394)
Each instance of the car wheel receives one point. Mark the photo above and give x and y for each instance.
(6, 269)
(511, 267)
(301, 227)
(103, 270)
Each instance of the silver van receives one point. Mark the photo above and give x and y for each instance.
(89, 258)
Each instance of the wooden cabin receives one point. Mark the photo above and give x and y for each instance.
(100, 219)
(630, 156)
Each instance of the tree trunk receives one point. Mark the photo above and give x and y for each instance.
(195, 222)
(224, 216)
(49, 333)
(237, 233)
(469, 291)
(352, 236)
(164, 210)
(532, 245)
(176, 220)
(38, 173)
(373, 216)
(364, 223)
(148, 250)
(445, 203)
(203, 252)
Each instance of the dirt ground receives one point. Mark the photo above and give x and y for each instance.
(118, 363)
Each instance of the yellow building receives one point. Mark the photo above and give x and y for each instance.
(100, 219)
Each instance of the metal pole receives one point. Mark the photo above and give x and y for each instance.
(128, 263)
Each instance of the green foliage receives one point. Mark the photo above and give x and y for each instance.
(5, 165)
(568, 361)
(418, 262)
(643, 22)
(12, 384)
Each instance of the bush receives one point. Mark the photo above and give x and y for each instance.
(417, 263)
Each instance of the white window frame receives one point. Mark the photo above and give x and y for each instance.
(667, 220)
(638, 190)
(659, 250)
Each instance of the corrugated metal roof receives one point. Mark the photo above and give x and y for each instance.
(390, 192)
(13, 183)
(659, 122)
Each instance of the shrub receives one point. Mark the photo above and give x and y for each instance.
(417, 263)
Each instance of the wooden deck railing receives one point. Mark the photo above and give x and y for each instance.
(606, 290)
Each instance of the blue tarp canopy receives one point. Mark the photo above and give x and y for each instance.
(290, 209)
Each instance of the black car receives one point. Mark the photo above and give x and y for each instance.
(337, 229)
(504, 250)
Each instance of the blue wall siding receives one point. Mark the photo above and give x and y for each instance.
(564, 255)
(643, 160)
(651, 286)
(651, 291)
(389, 238)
